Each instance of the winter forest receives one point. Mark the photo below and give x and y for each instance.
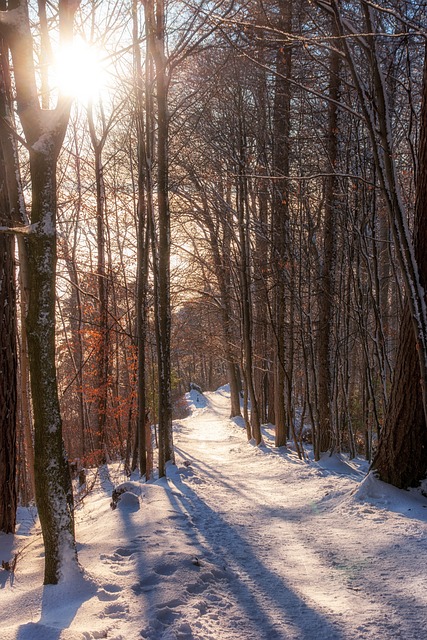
(213, 242)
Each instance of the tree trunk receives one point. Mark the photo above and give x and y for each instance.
(261, 253)
(401, 458)
(280, 218)
(54, 494)
(245, 280)
(8, 342)
(326, 280)
(8, 368)
(378, 122)
(142, 252)
(102, 355)
(44, 132)
(220, 257)
(155, 25)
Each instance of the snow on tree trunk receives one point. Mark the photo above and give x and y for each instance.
(44, 132)
(53, 485)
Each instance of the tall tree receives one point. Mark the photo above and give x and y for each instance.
(17, 215)
(8, 343)
(280, 215)
(401, 458)
(102, 355)
(243, 221)
(143, 236)
(44, 131)
(394, 460)
(156, 47)
(324, 438)
(8, 366)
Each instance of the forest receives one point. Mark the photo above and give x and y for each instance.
(208, 193)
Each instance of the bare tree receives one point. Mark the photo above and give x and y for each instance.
(8, 367)
(143, 247)
(401, 458)
(44, 132)
(324, 438)
(280, 217)
(378, 122)
(155, 27)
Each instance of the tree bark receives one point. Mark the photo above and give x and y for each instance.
(155, 25)
(280, 218)
(102, 355)
(401, 458)
(19, 217)
(53, 483)
(142, 252)
(245, 278)
(44, 132)
(226, 316)
(378, 121)
(324, 438)
(8, 368)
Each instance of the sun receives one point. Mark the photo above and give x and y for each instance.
(80, 71)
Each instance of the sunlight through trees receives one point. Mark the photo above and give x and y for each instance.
(208, 193)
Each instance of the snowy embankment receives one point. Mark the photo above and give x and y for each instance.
(239, 543)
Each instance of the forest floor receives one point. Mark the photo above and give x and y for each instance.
(238, 543)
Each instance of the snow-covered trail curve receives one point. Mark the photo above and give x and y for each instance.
(236, 543)
(305, 560)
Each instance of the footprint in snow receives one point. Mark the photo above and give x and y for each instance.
(112, 588)
(195, 588)
(159, 630)
(171, 604)
(109, 592)
(201, 607)
(146, 584)
(167, 616)
(165, 569)
(120, 559)
(116, 611)
(126, 552)
(97, 635)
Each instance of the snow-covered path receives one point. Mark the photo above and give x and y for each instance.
(307, 559)
(237, 543)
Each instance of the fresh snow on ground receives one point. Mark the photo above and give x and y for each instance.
(238, 543)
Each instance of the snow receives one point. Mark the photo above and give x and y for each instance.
(237, 543)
